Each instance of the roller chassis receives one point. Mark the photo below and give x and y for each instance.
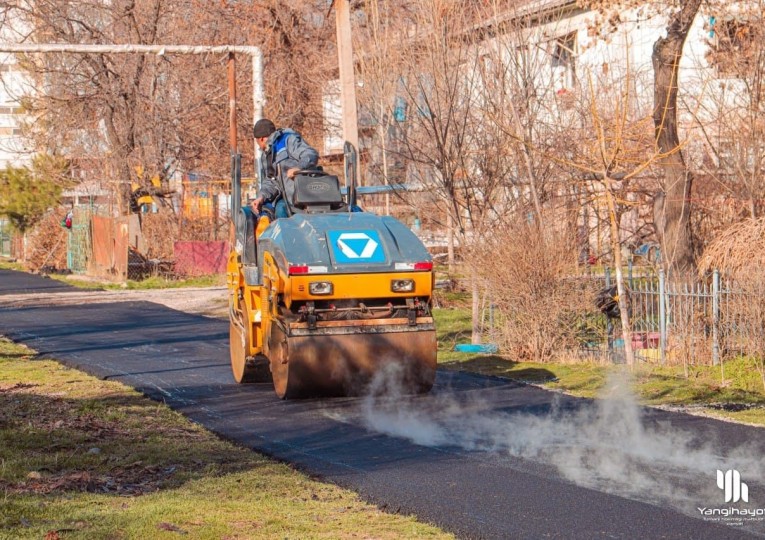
(333, 344)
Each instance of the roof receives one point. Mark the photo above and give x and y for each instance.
(527, 11)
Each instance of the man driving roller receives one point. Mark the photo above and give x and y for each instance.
(284, 154)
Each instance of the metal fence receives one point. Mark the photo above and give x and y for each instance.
(5, 238)
(79, 241)
(116, 248)
(695, 322)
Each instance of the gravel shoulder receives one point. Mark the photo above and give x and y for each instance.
(207, 301)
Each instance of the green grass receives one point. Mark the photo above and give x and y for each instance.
(154, 282)
(158, 282)
(8, 265)
(94, 459)
(654, 385)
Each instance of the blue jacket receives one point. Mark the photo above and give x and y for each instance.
(285, 150)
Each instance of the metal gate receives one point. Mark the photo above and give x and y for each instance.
(79, 244)
(5, 238)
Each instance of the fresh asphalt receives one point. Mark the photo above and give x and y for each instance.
(182, 359)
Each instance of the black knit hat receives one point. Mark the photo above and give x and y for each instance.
(263, 128)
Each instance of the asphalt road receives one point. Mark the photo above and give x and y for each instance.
(480, 457)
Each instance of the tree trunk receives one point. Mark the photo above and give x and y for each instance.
(614, 219)
(672, 213)
(475, 335)
(450, 242)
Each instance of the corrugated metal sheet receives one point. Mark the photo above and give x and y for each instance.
(110, 247)
(121, 243)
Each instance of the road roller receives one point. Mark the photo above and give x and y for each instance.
(323, 301)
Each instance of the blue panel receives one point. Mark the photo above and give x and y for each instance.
(356, 247)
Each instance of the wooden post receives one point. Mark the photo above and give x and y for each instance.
(236, 182)
(232, 103)
(347, 78)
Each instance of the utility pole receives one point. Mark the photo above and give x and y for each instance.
(347, 78)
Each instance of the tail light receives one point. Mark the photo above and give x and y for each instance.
(420, 266)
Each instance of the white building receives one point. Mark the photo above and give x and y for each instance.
(14, 84)
(571, 48)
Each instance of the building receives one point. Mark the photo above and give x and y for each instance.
(536, 68)
(14, 150)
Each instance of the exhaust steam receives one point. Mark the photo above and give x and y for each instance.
(610, 444)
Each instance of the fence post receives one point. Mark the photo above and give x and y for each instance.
(715, 317)
(491, 321)
(609, 324)
(662, 318)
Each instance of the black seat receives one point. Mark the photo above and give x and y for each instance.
(317, 191)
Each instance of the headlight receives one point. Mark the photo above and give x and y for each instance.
(402, 285)
(320, 287)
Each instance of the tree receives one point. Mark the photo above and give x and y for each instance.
(165, 114)
(24, 198)
(731, 114)
(672, 207)
(672, 200)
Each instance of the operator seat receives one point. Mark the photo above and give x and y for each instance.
(317, 192)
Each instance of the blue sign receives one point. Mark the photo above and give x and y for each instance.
(356, 247)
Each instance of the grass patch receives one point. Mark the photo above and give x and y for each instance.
(85, 458)
(154, 282)
(8, 265)
(740, 397)
(158, 282)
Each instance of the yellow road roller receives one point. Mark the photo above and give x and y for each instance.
(324, 300)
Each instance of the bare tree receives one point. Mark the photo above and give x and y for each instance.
(672, 207)
(730, 115)
(117, 114)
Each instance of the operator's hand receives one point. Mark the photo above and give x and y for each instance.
(256, 204)
(292, 172)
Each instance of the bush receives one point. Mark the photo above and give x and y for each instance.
(528, 275)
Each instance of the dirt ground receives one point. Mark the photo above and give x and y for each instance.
(208, 301)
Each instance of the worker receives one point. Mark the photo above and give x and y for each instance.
(284, 154)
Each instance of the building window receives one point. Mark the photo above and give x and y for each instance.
(564, 61)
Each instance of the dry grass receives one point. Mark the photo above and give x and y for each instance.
(85, 458)
(747, 311)
(738, 250)
(47, 244)
(527, 275)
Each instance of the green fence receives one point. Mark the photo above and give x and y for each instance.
(79, 244)
(5, 238)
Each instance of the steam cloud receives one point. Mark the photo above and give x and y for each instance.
(607, 445)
